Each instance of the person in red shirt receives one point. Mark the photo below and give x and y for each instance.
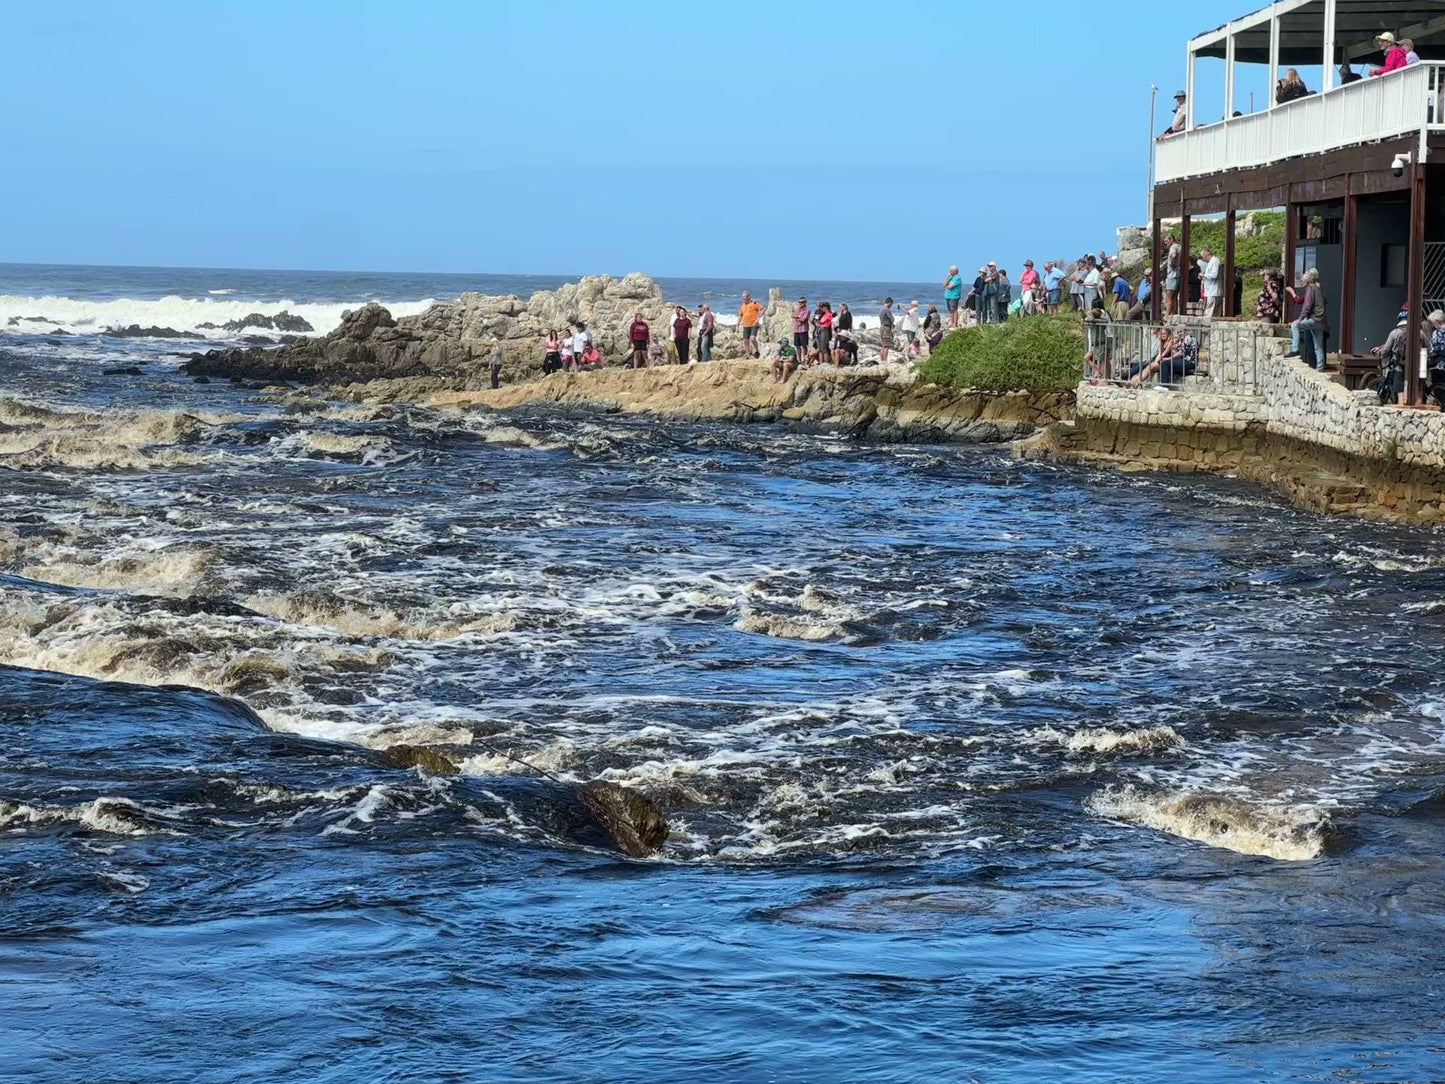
(638, 335)
(1029, 288)
(1395, 57)
(681, 333)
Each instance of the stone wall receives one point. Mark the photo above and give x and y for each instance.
(1270, 419)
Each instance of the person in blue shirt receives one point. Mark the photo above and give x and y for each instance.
(1145, 290)
(1053, 277)
(953, 294)
(1123, 297)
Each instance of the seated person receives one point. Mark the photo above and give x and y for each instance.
(845, 349)
(592, 358)
(786, 363)
(1140, 372)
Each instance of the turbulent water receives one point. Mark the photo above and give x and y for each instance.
(975, 769)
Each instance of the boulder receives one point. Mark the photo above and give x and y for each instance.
(631, 819)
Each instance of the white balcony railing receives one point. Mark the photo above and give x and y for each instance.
(1403, 102)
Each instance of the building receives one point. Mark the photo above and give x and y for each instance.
(1359, 168)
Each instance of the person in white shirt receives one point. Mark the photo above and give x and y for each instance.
(1091, 285)
(581, 340)
(1209, 281)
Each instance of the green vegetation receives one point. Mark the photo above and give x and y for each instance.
(1252, 255)
(1035, 354)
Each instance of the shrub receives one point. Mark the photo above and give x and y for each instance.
(1035, 354)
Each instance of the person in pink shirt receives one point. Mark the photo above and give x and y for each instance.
(1029, 288)
(1395, 57)
(801, 316)
(825, 331)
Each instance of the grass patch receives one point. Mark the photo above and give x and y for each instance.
(1034, 354)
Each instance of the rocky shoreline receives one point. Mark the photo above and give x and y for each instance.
(440, 358)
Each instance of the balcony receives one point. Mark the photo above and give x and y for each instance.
(1405, 102)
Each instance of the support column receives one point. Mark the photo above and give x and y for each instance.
(1291, 242)
(1416, 280)
(1348, 290)
(1156, 280)
(1227, 300)
(1189, 92)
(1229, 77)
(1273, 59)
(1327, 77)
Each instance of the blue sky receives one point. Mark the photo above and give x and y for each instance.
(821, 140)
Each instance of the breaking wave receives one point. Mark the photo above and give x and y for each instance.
(1288, 834)
(42, 315)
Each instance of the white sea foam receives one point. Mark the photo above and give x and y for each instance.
(1286, 833)
(1109, 740)
(184, 314)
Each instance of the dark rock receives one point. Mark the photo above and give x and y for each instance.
(135, 331)
(59, 331)
(125, 370)
(282, 321)
(419, 756)
(200, 380)
(286, 321)
(630, 818)
(256, 340)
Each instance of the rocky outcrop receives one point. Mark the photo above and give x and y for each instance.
(873, 402)
(135, 331)
(452, 339)
(284, 320)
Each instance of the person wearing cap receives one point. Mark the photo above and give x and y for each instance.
(1395, 57)
(988, 300)
(975, 296)
(953, 294)
(1181, 115)
(802, 317)
(1391, 353)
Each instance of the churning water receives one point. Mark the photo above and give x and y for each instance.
(975, 769)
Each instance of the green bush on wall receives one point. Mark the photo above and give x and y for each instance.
(1034, 354)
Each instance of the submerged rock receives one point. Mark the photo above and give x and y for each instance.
(419, 756)
(124, 370)
(630, 818)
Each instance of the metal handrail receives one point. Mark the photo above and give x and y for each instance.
(1226, 356)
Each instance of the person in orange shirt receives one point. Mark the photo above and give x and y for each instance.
(749, 314)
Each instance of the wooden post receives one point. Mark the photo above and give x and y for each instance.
(1416, 279)
(1291, 242)
(1156, 281)
(1181, 306)
(1227, 300)
(1348, 291)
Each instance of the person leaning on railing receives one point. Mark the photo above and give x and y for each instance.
(1291, 87)
(1395, 57)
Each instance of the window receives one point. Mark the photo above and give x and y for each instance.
(1392, 265)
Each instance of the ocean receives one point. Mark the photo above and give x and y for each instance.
(976, 769)
(196, 301)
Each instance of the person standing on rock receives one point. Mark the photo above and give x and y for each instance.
(825, 332)
(1029, 289)
(551, 353)
(843, 327)
(681, 333)
(706, 325)
(581, 340)
(638, 335)
(1053, 289)
(494, 364)
(953, 294)
(885, 330)
(749, 313)
(802, 317)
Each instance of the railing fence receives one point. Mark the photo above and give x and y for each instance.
(1227, 356)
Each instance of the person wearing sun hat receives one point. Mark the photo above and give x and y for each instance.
(1395, 57)
(1181, 115)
